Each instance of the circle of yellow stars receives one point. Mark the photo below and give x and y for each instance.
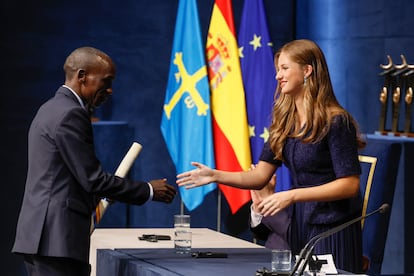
(256, 43)
(264, 135)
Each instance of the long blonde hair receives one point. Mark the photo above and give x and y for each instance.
(319, 100)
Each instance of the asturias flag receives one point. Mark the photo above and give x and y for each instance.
(258, 70)
(186, 121)
(230, 127)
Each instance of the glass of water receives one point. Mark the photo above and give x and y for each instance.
(182, 234)
(281, 260)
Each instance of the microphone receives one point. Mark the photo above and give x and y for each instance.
(307, 250)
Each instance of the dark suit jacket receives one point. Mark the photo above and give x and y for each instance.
(64, 181)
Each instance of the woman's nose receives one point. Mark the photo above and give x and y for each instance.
(277, 77)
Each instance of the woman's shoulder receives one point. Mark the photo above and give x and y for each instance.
(339, 116)
(342, 122)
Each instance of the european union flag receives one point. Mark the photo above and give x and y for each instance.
(258, 71)
(186, 120)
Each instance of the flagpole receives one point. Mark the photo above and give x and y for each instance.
(181, 207)
(219, 210)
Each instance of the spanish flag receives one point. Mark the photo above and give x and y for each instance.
(230, 127)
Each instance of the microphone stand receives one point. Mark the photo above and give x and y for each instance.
(306, 252)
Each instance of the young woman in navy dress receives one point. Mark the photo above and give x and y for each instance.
(318, 140)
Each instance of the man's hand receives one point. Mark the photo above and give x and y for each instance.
(163, 192)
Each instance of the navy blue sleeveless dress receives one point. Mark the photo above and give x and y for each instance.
(313, 164)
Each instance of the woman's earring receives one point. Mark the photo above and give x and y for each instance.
(304, 80)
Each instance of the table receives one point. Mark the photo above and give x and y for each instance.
(398, 255)
(124, 238)
(165, 262)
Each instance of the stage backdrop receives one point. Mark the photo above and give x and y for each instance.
(37, 36)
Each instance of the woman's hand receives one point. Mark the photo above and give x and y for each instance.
(341, 188)
(259, 195)
(197, 177)
(275, 203)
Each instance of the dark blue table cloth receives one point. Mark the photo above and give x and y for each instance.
(165, 262)
(399, 255)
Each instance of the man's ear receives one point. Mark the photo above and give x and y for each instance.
(81, 75)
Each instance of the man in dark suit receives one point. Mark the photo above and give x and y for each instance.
(65, 179)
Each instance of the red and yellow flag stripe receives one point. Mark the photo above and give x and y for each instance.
(230, 126)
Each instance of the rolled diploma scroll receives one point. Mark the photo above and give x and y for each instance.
(122, 171)
(128, 160)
